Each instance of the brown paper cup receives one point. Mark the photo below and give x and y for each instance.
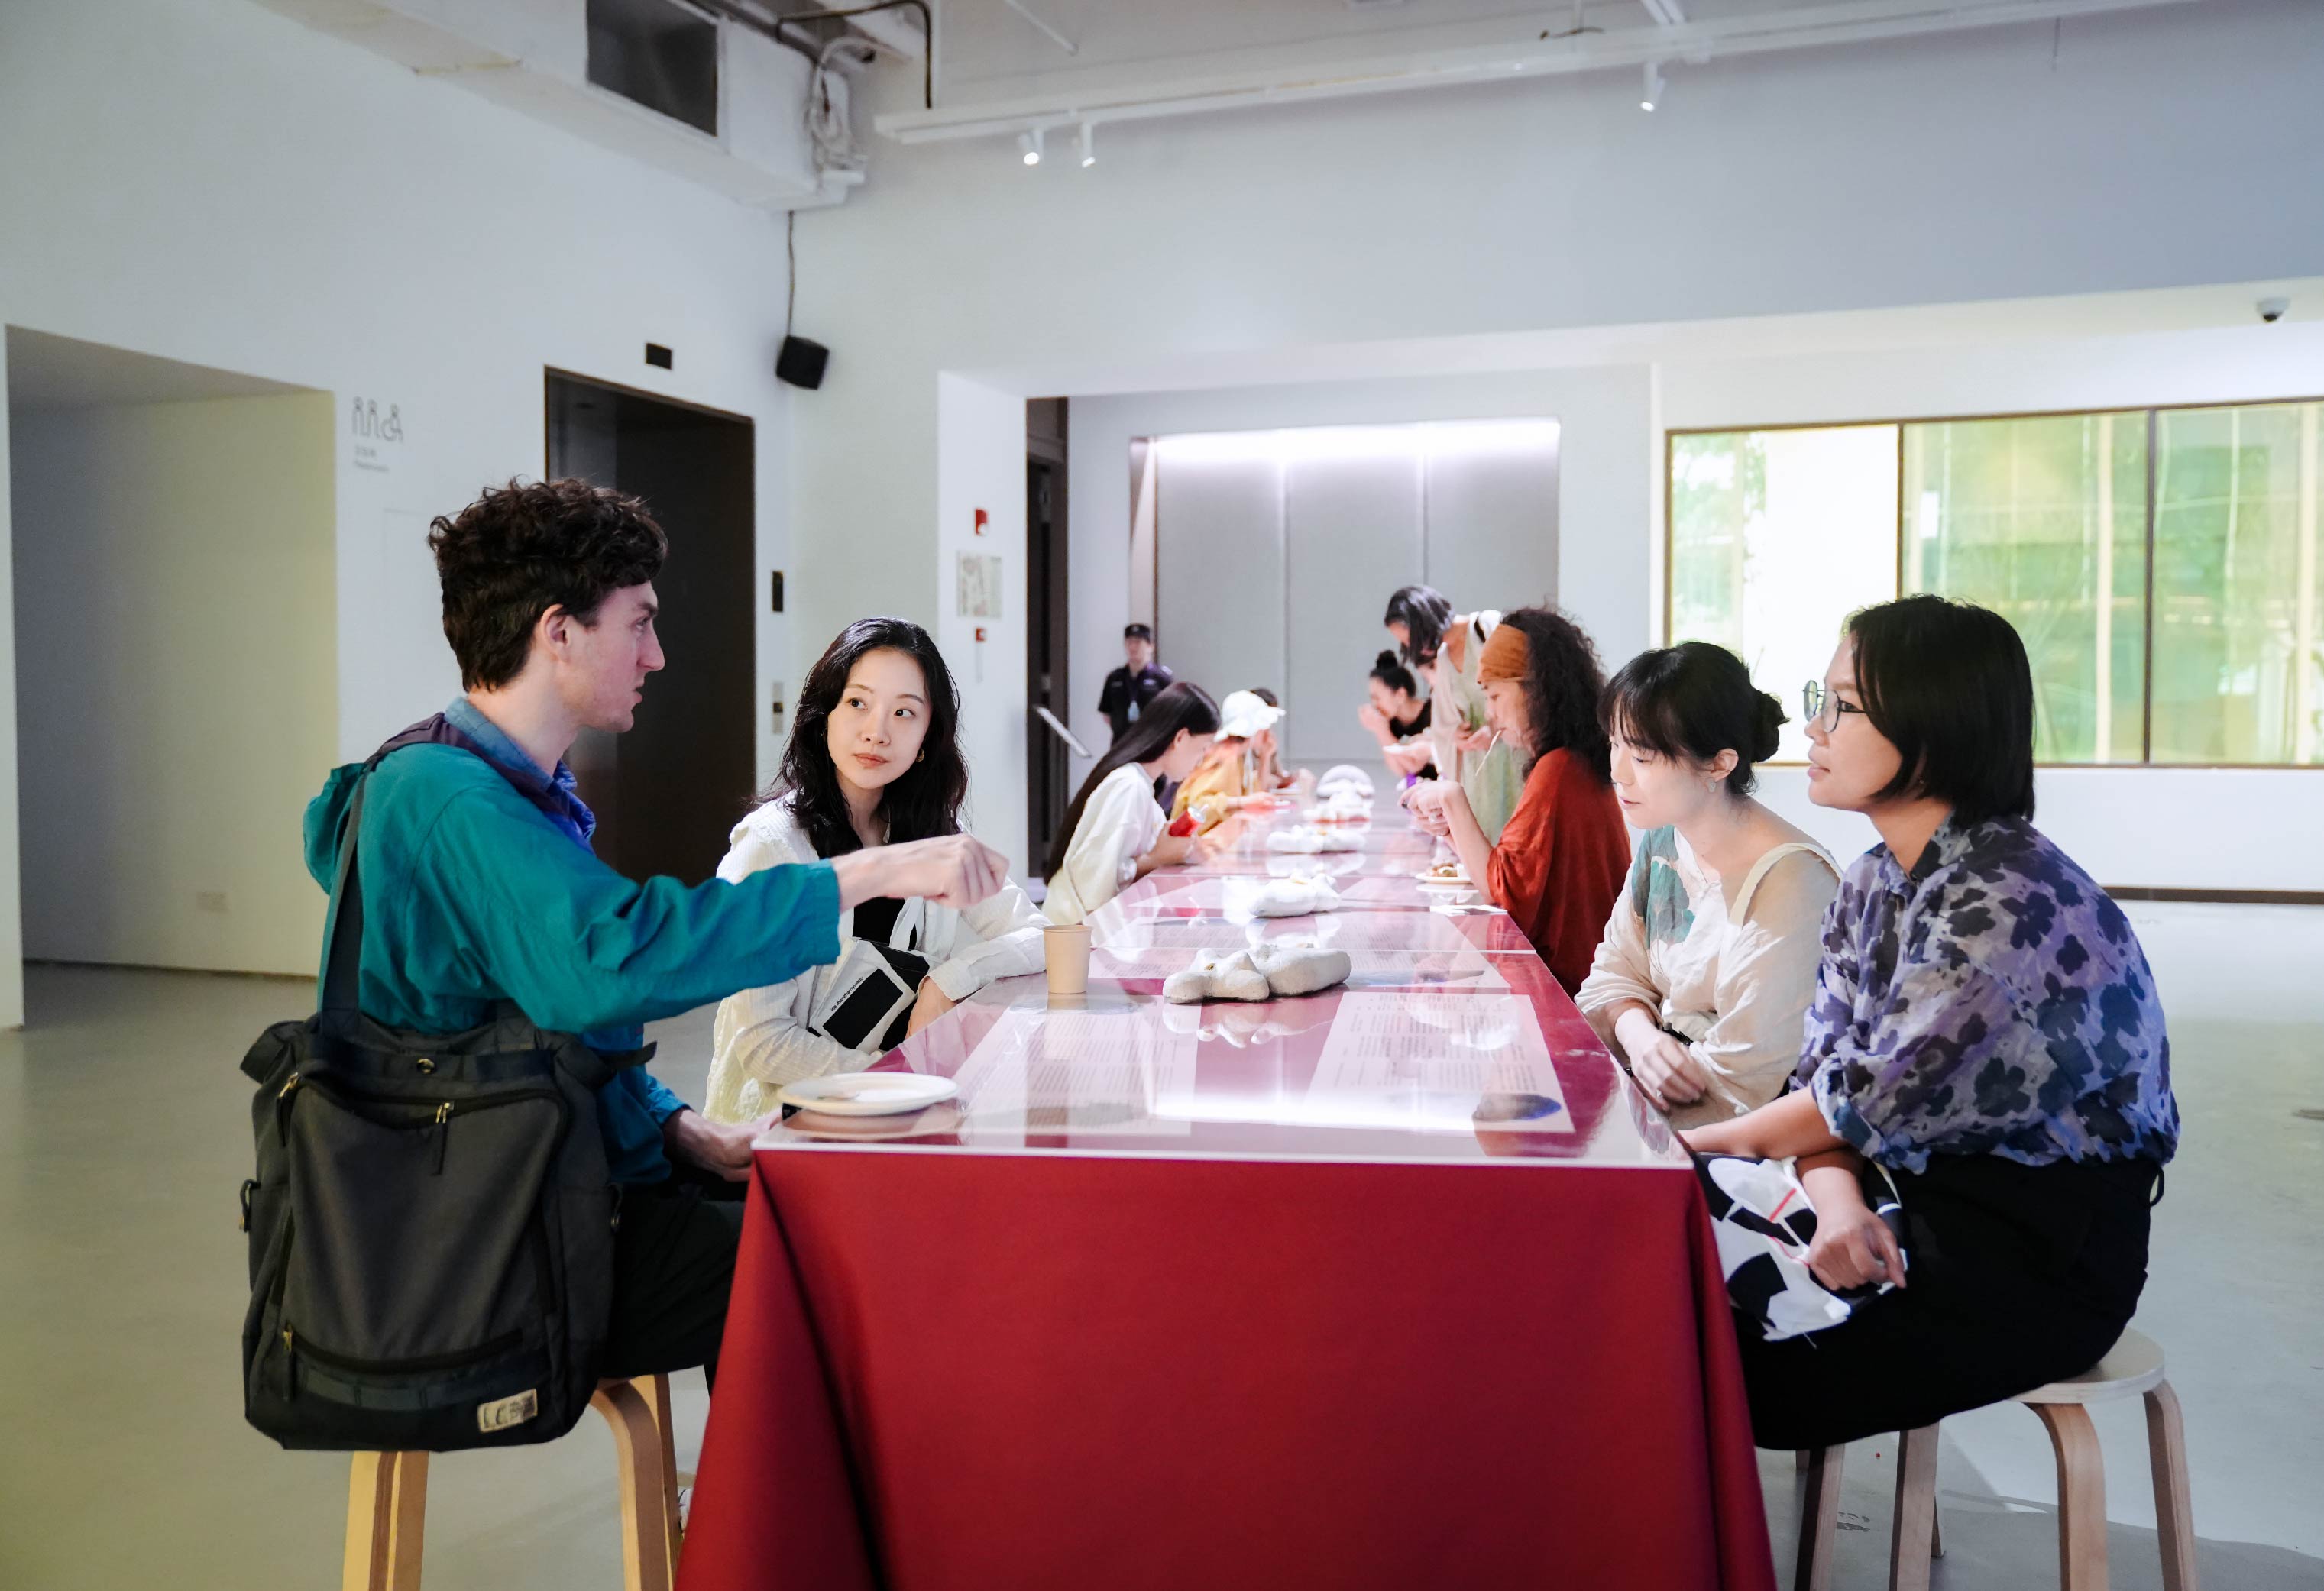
(1067, 951)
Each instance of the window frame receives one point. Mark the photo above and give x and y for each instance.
(2152, 412)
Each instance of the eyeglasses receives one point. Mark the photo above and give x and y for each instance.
(1822, 707)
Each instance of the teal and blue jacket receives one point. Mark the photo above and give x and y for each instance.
(475, 892)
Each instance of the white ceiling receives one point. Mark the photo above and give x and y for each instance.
(47, 372)
(987, 40)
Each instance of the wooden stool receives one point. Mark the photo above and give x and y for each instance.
(2133, 1366)
(387, 1497)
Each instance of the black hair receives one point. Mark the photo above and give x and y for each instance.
(1948, 685)
(1693, 700)
(1180, 706)
(1563, 684)
(1137, 633)
(1266, 696)
(1424, 612)
(1390, 671)
(921, 803)
(528, 547)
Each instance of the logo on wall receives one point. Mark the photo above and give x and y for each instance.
(372, 430)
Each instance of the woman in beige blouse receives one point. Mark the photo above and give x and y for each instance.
(1709, 956)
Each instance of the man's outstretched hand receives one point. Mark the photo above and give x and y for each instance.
(956, 870)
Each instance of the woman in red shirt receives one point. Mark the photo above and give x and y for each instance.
(1561, 860)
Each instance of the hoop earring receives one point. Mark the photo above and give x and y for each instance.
(923, 757)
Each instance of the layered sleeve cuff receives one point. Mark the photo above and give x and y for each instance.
(1852, 1126)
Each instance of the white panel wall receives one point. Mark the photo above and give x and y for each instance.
(1493, 527)
(1603, 481)
(1354, 534)
(176, 679)
(1220, 589)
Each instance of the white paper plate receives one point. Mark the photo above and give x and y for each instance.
(1458, 881)
(867, 1093)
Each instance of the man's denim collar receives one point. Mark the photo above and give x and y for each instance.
(516, 762)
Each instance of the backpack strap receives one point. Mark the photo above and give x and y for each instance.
(342, 944)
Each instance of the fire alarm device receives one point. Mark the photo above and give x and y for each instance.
(979, 632)
(982, 521)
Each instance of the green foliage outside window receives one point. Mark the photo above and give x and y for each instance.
(2047, 519)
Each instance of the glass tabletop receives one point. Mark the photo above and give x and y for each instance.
(1449, 1041)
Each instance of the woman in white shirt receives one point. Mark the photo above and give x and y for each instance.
(873, 759)
(1708, 960)
(1114, 831)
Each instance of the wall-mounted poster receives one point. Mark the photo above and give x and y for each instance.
(978, 586)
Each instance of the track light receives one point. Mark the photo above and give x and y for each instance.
(1030, 145)
(1089, 145)
(1653, 94)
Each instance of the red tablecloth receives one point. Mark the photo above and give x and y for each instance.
(1274, 1376)
(1279, 1328)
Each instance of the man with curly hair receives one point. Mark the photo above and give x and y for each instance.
(480, 886)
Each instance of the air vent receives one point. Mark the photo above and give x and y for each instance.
(659, 54)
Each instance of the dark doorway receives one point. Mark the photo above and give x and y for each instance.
(1049, 771)
(667, 793)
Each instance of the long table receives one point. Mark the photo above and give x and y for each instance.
(1400, 1284)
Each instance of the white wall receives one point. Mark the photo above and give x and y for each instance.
(1200, 252)
(2189, 828)
(1604, 476)
(208, 182)
(177, 679)
(981, 464)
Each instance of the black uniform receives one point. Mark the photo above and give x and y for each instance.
(1127, 693)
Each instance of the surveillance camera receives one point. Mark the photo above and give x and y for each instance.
(2271, 310)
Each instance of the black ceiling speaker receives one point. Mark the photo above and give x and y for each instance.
(801, 363)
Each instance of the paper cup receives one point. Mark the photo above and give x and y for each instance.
(1067, 951)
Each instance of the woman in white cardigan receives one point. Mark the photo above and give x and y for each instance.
(1115, 831)
(874, 758)
(1703, 980)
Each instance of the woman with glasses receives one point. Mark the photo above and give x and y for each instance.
(1560, 862)
(1985, 1028)
(1703, 973)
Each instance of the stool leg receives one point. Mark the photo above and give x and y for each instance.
(1910, 1547)
(2081, 1496)
(655, 1390)
(387, 1517)
(1819, 1519)
(2174, 1513)
(637, 1453)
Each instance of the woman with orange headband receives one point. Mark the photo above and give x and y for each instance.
(1561, 860)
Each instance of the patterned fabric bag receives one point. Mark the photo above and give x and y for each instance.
(1764, 1223)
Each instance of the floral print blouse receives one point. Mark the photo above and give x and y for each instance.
(1992, 1002)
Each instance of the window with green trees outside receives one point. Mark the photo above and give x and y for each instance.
(2162, 566)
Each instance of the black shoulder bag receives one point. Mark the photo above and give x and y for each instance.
(431, 1225)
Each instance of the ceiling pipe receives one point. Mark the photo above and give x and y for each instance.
(1851, 21)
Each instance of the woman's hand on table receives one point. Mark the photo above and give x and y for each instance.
(1170, 851)
(932, 1004)
(1406, 760)
(1425, 801)
(720, 1148)
(1665, 1067)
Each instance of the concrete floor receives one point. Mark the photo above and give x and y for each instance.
(123, 1135)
